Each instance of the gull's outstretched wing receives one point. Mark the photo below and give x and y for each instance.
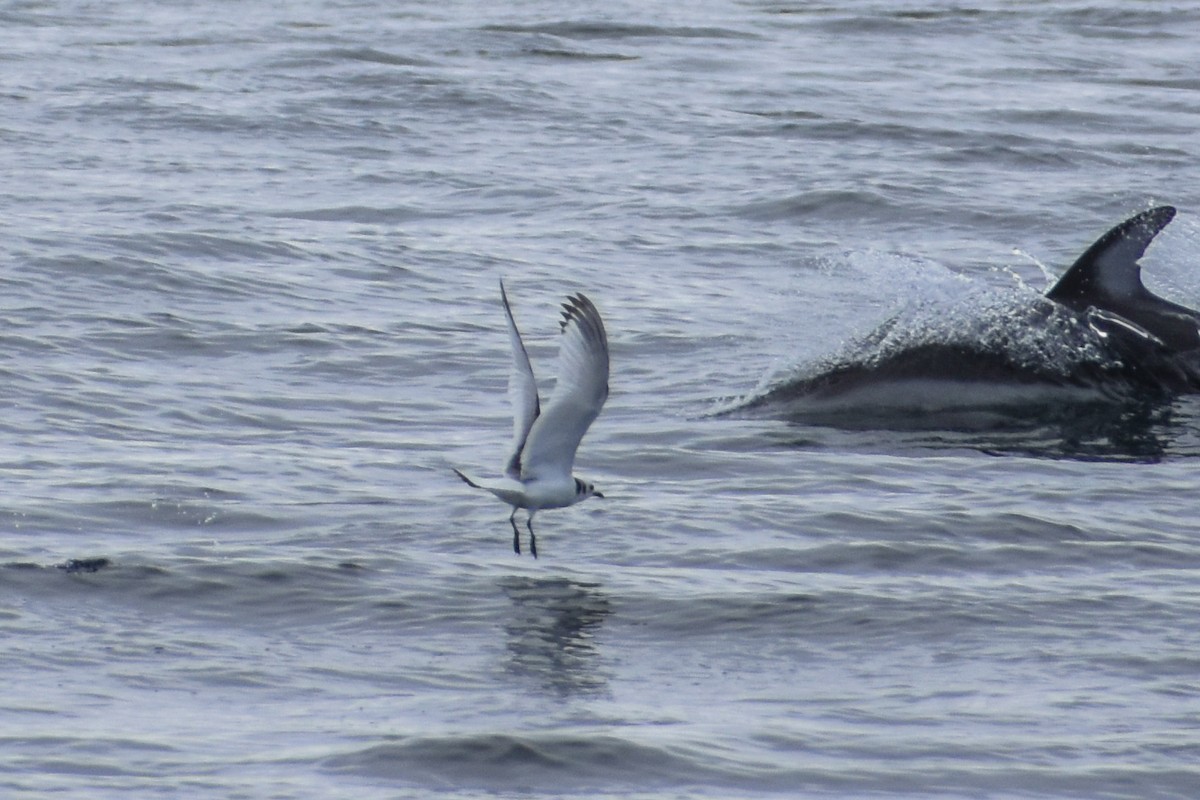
(522, 391)
(579, 393)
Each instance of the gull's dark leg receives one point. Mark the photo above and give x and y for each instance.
(532, 536)
(516, 533)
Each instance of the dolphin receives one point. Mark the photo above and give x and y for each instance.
(1121, 341)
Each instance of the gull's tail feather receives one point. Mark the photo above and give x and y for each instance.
(466, 480)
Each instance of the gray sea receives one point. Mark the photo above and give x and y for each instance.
(249, 320)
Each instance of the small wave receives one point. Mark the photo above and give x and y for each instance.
(543, 762)
(618, 30)
(186, 245)
(836, 204)
(577, 55)
(360, 214)
(374, 56)
(252, 591)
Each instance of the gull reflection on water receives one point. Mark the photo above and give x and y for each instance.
(550, 632)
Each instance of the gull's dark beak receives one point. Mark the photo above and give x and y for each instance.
(597, 494)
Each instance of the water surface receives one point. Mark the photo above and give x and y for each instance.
(250, 319)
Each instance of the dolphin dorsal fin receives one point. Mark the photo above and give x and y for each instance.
(1109, 269)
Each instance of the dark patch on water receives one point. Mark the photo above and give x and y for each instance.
(84, 565)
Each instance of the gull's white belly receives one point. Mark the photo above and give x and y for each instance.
(550, 494)
(535, 494)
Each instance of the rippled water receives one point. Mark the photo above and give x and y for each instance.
(249, 317)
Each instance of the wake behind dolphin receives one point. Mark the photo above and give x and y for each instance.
(1098, 335)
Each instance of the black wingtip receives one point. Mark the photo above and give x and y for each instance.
(577, 306)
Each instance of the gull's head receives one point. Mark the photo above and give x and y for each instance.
(585, 489)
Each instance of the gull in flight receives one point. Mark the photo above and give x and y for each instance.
(537, 474)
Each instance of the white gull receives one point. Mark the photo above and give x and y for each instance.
(538, 471)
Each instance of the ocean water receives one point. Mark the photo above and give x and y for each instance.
(249, 320)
